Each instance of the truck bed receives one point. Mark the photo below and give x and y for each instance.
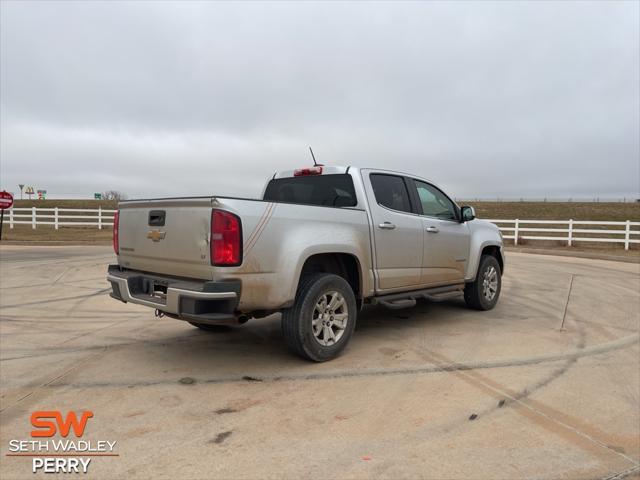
(180, 247)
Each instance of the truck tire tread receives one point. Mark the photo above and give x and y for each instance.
(473, 290)
(294, 331)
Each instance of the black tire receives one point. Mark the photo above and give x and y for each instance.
(474, 292)
(297, 321)
(211, 328)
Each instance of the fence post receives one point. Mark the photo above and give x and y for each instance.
(11, 218)
(515, 233)
(33, 217)
(627, 232)
(570, 231)
(55, 217)
(99, 218)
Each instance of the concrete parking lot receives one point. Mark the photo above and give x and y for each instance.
(435, 391)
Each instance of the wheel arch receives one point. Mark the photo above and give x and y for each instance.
(494, 251)
(492, 248)
(345, 265)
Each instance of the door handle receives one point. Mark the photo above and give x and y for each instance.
(432, 229)
(387, 226)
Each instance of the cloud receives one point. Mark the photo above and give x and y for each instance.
(488, 99)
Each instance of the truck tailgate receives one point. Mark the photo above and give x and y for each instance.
(167, 236)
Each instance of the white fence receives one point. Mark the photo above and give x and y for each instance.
(60, 217)
(565, 231)
(570, 231)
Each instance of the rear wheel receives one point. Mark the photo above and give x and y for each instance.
(322, 319)
(484, 291)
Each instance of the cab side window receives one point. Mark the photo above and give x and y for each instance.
(434, 202)
(391, 192)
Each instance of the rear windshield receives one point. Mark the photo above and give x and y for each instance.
(327, 190)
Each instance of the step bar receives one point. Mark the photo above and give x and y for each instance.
(396, 301)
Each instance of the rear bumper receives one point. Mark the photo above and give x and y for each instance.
(199, 301)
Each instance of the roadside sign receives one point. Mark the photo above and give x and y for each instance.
(42, 194)
(6, 200)
(21, 185)
(97, 196)
(29, 191)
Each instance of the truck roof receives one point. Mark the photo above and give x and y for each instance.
(339, 169)
(326, 169)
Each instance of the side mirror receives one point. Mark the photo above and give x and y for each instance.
(467, 213)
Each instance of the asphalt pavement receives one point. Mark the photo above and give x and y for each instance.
(547, 385)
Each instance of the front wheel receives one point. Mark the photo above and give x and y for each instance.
(322, 319)
(483, 292)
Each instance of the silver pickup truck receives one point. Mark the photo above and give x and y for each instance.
(322, 242)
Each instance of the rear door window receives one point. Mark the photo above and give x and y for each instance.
(326, 190)
(391, 191)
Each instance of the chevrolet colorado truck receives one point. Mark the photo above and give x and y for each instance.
(322, 242)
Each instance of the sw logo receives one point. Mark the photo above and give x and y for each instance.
(62, 454)
(41, 420)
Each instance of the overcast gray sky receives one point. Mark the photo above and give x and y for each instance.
(488, 99)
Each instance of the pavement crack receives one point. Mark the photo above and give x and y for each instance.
(566, 305)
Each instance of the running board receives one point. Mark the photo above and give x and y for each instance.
(396, 301)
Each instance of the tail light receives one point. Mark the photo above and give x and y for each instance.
(226, 239)
(116, 228)
(303, 172)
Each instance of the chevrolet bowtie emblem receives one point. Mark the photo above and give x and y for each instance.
(156, 235)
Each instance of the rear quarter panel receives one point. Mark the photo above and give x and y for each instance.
(277, 240)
